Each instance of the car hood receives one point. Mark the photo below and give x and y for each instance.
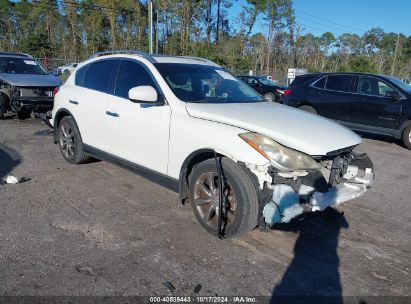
(293, 128)
(31, 80)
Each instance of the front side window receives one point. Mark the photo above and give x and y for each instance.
(373, 86)
(99, 75)
(206, 84)
(341, 83)
(131, 74)
(252, 81)
(11, 65)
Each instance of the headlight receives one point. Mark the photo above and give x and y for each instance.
(283, 158)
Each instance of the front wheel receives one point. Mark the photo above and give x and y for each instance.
(241, 214)
(406, 137)
(70, 143)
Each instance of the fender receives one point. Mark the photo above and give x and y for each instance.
(406, 122)
(59, 115)
(188, 164)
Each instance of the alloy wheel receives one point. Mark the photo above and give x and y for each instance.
(67, 141)
(206, 200)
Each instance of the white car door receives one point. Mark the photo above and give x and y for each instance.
(91, 100)
(138, 133)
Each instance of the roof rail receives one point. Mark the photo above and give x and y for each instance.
(129, 52)
(16, 54)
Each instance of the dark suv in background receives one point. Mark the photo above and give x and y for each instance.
(265, 87)
(363, 102)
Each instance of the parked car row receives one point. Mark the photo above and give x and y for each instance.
(362, 102)
(189, 124)
(266, 87)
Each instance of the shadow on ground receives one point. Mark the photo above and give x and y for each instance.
(9, 159)
(313, 275)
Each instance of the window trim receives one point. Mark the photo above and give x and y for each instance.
(313, 84)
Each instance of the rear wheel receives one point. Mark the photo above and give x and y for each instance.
(308, 109)
(269, 97)
(70, 143)
(241, 213)
(406, 137)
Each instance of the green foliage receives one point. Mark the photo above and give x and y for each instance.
(36, 45)
(72, 30)
(362, 64)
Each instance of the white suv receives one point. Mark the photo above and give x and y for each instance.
(189, 124)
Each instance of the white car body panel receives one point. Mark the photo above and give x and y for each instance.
(140, 134)
(162, 137)
(290, 127)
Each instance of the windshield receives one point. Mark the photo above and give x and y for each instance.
(206, 84)
(266, 81)
(11, 65)
(406, 87)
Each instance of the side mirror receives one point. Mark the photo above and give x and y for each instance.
(392, 94)
(143, 94)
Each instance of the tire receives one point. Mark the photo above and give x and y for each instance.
(242, 207)
(269, 97)
(3, 105)
(70, 143)
(308, 109)
(23, 113)
(406, 137)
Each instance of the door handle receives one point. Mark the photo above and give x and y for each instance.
(73, 102)
(358, 98)
(112, 114)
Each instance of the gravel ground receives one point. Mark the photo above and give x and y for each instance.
(97, 229)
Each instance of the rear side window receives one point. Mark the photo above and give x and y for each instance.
(341, 83)
(320, 83)
(80, 75)
(99, 76)
(131, 74)
(299, 80)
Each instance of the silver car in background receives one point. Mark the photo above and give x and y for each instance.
(25, 86)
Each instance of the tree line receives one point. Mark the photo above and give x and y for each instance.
(75, 29)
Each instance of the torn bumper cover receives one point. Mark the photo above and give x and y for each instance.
(299, 192)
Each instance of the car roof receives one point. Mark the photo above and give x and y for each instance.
(15, 55)
(157, 58)
(341, 73)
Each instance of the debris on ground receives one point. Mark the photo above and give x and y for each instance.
(169, 286)
(197, 288)
(12, 180)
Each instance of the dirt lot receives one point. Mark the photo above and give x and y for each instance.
(97, 229)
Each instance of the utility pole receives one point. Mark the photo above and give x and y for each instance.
(156, 31)
(395, 55)
(150, 26)
(218, 22)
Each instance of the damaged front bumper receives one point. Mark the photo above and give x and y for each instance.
(294, 193)
(44, 103)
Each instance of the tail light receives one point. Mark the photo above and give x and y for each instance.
(287, 92)
(56, 90)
